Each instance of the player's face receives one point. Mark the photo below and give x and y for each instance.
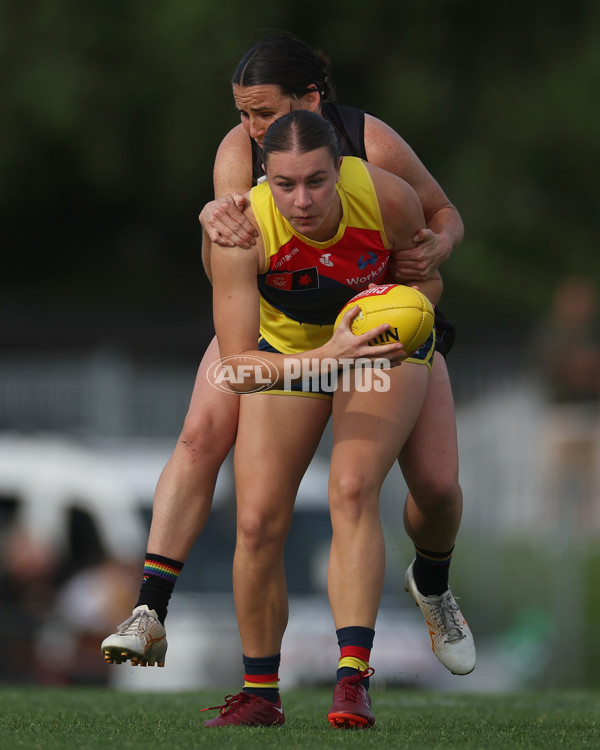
(259, 106)
(304, 190)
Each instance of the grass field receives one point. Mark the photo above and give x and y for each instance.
(69, 718)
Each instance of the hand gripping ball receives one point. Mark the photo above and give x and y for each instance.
(407, 311)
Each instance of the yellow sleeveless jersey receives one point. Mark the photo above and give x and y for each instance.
(306, 283)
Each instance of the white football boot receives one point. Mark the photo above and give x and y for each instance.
(451, 640)
(141, 639)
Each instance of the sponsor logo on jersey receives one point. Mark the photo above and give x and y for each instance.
(368, 278)
(368, 259)
(285, 258)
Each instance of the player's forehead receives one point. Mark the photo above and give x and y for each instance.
(300, 165)
(263, 98)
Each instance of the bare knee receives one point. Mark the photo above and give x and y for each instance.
(259, 533)
(438, 495)
(206, 434)
(351, 496)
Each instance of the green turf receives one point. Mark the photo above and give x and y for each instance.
(66, 718)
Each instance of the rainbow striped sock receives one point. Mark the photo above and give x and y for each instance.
(159, 579)
(162, 567)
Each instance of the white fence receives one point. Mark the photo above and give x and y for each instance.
(509, 439)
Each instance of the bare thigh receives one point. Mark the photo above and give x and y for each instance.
(430, 455)
(370, 428)
(184, 491)
(212, 415)
(277, 438)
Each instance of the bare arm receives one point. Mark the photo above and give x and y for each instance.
(403, 217)
(443, 226)
(222, 219)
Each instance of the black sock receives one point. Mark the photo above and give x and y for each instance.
(160, 577)
(431, 570)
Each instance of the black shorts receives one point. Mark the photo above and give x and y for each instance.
(444, 333)
(323, 387)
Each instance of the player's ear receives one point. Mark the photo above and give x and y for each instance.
(338, 166)
(311, 99)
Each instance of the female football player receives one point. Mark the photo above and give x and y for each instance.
(275, 303)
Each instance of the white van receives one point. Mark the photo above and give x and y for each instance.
(91, 501)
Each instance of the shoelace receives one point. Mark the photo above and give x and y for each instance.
(231, 703)
(446, 612)
(349, 685)
(129, 627)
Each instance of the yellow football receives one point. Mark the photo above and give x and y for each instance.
(408, 312)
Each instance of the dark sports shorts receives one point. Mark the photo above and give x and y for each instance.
(312, 388)
(445, 333)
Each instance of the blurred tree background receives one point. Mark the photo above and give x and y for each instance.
(111, 113)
